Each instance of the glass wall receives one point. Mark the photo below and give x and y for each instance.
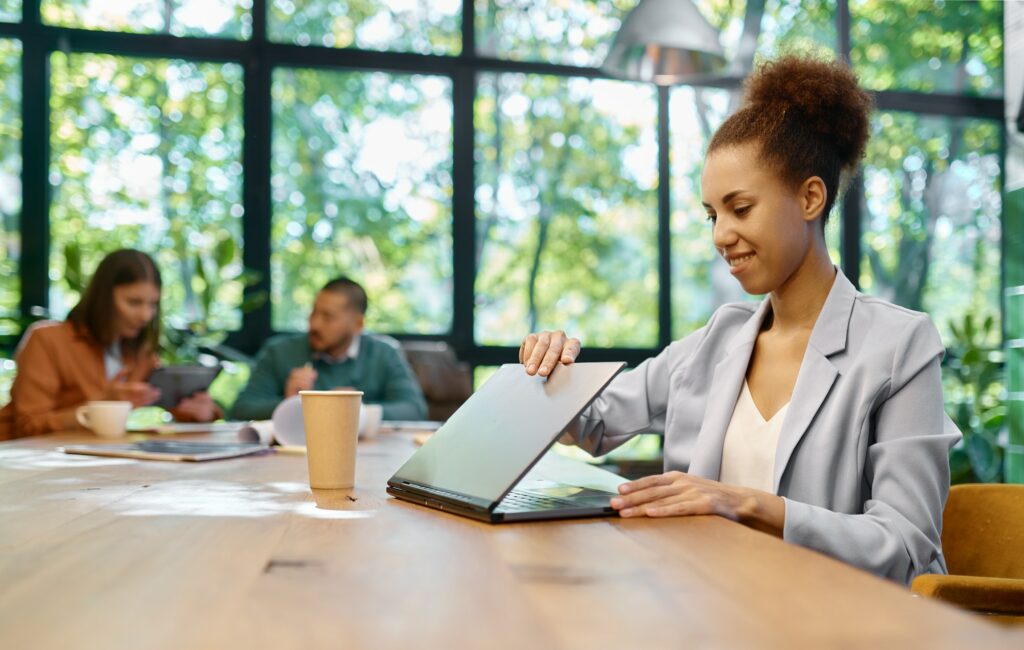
(566, 209)
(362, 186)
(220, 18)
(478, 193)
(932, 210)
(147, 154)
(10, 184)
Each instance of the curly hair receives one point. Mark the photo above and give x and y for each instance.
(810, 118)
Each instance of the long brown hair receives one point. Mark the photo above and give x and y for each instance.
(809, 117)
(95, 312)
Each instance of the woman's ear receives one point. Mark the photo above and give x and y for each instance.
(813, 195)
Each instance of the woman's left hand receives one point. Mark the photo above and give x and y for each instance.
(677, 494)
(197, 408)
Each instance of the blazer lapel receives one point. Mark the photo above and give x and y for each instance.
(725, 388)
(817, 372)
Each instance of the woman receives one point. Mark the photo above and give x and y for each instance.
(105, 350)
(816, 416)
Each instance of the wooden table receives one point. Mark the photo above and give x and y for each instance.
(108, 553)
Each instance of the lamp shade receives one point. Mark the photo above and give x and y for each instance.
(667, 42)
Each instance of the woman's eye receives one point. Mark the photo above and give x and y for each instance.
(712, 218)
(743, 210)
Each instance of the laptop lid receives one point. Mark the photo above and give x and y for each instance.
(502, 430)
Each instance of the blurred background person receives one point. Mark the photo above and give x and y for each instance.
(105, 350)
(335, 353)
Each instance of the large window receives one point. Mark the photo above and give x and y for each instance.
(566, 209)
(467, 160)
(222, 18)
(953, 47)
(421, 26)
(146, 154)
(10, 183)
(362, 186)
(931, 224)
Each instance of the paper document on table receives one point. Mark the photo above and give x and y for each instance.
(286, 427)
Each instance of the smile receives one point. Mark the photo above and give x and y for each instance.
(736, 261)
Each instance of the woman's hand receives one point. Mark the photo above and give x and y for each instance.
(541, 351)
(197, 408)
(678, 494)
(139, 393)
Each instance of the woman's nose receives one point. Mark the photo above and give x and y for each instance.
(723, 234)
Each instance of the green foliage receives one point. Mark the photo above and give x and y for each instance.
(424, 26)
(576, 32)
(975, 400)
(10, 178)
(932, 217)
(361, 186)
(147, 155)
(928, 45)
(566, 209)
(223, 18)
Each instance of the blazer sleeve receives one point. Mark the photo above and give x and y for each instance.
(35, 388)
(906, 468)
(635, 401)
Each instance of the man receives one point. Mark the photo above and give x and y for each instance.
(334, 354)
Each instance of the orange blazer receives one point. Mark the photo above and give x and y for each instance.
(60, 367)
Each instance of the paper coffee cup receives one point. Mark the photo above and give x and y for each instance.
(105, 419)
(331, 419)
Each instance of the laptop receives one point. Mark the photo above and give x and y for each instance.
(488, 460)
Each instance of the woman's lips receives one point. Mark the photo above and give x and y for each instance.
(738, 263)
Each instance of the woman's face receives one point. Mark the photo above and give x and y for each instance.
(135, 305)
(762, 226)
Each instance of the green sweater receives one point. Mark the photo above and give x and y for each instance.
(379, 370)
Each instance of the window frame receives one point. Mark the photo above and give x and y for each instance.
(259, 56)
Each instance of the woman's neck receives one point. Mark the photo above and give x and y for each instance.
(797, 303)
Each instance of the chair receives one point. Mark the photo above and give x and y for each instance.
(983, 541)
(446, 381)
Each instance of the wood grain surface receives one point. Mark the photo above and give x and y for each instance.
(109, 553)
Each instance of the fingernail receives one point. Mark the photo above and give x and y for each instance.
(543, 370)
(616, 503)
(627, 512)
(623, 489)
(531, 368)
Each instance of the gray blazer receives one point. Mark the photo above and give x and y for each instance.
(862, 459)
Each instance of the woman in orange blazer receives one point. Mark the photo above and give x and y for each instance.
(105, 350)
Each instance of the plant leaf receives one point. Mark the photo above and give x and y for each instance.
(984, 456)
(224, 252)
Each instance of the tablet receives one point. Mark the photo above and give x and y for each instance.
(175, 450)
(178, 382)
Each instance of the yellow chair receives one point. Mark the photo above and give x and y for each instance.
(983, 541)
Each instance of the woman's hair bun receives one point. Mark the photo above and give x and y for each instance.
(824, 95)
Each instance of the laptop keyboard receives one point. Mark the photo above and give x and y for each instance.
(520, 501)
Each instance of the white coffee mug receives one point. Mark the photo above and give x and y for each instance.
(369, 421)
(105, 419)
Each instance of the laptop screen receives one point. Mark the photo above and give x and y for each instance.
(489, 443)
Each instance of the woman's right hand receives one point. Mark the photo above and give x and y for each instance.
(540, 352)
(139, 393)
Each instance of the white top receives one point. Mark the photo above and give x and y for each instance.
(112, 361)
(748, 455)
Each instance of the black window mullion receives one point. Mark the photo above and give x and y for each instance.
(35, 155)
(664, 222)
(850, 214)
(463, 211)
(256, 154)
